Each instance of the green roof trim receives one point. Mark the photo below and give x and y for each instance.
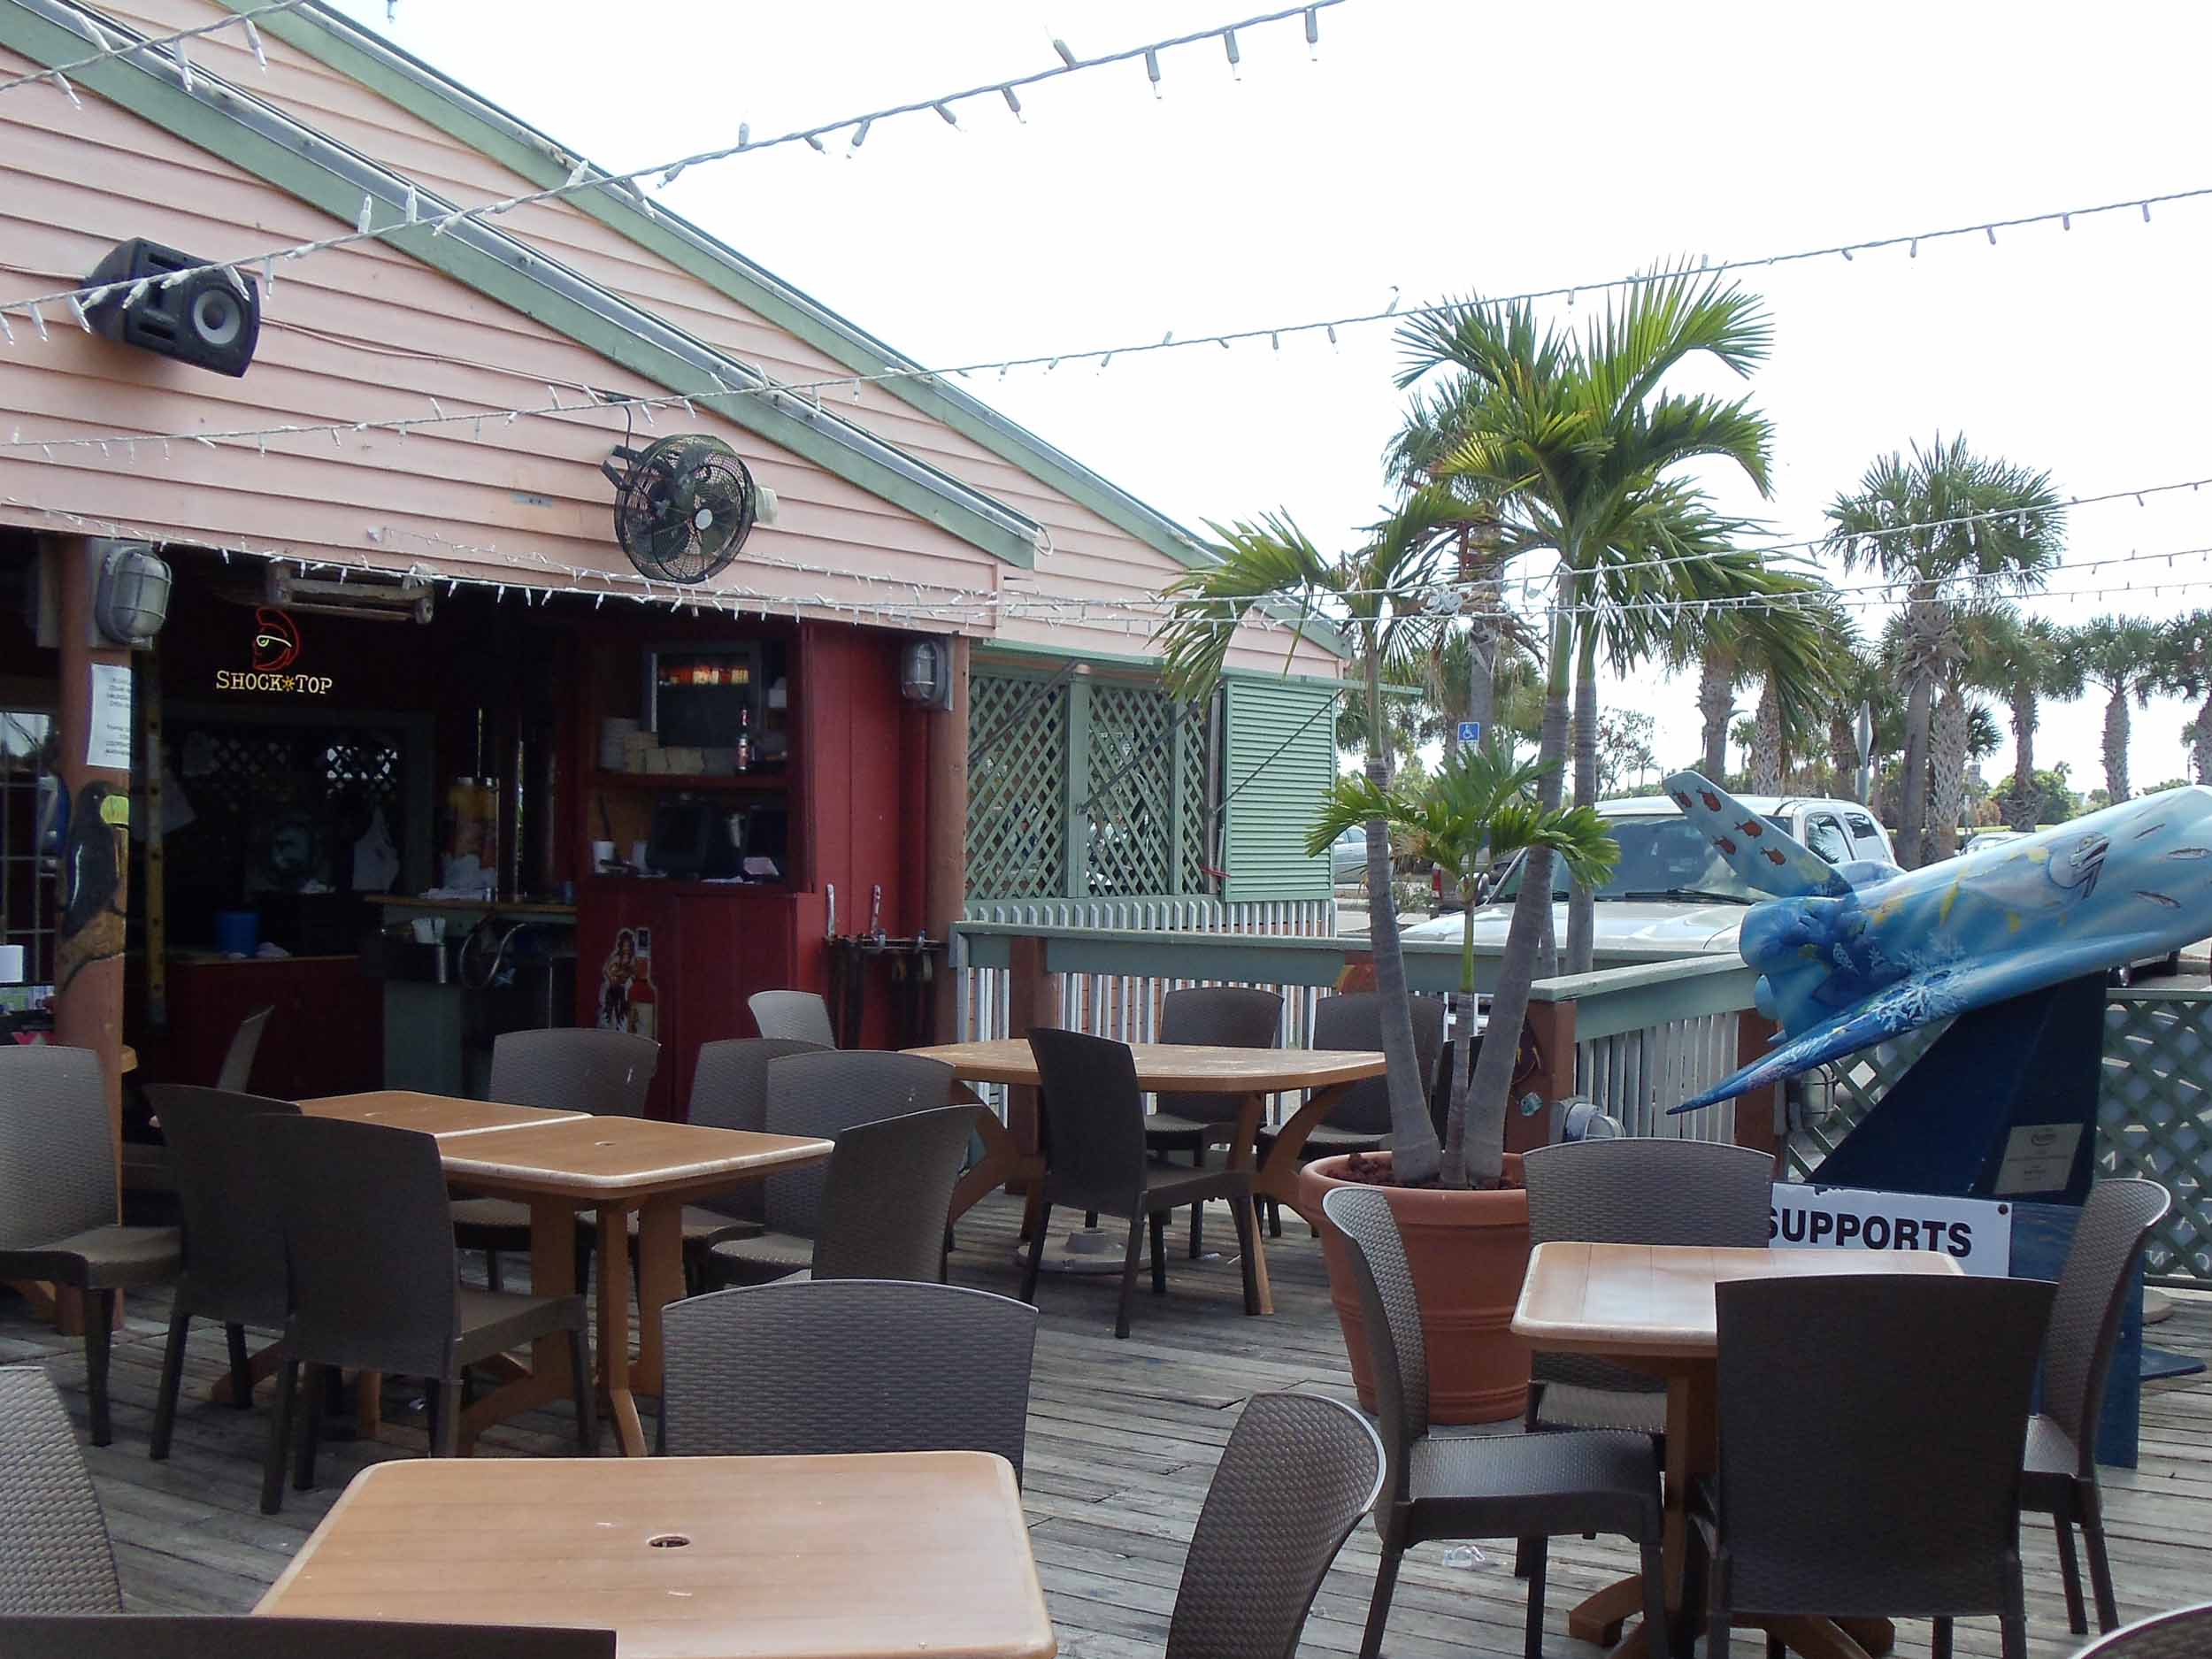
(283, 152)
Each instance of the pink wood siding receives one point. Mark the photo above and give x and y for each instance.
(71, 183)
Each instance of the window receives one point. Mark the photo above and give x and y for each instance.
(1660, 858)
(1824, 836)
(1867, 836)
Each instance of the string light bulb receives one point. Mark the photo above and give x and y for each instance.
(1313, 34)
(1236, 58)
(1152, 70)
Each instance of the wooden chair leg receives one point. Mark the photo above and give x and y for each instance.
(1036, 1252)
(2069, 1576)
(1131, 1256)
(312, 1385)
(1159, 1252)
(1247, 1218)
(587, 1391)
(99, 1331)
(1538, 1552)
(1378, 1607)
(172, 1380)
(279, 1438)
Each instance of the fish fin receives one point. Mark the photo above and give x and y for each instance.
(1765, 855)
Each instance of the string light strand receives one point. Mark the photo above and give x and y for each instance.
(59, 73)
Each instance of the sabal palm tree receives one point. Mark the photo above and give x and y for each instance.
(1794, 643)
(2122, 656)
(1480, 807)
(2188, 655)
(2023, 659)
(1574, 438)
(1948, 522)
(1382, 592)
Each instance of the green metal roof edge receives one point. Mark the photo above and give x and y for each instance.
(426, 92)
(133, 85)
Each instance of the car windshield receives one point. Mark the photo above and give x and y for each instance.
(1660, 858)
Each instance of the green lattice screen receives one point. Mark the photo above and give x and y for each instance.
(1094, 765)
(1017, 763)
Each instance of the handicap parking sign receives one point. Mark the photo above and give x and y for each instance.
(1471, 731)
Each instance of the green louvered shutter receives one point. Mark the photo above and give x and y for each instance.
(1281, 747)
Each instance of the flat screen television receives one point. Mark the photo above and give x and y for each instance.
(700, 696)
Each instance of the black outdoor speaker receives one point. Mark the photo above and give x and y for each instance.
(211, 319)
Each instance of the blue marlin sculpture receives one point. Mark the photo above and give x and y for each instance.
(1852, 955)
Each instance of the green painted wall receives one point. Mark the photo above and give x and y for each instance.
(1280, 755)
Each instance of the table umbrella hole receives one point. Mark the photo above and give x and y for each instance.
(666, 1541)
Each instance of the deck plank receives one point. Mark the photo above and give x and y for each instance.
(1123, 1440)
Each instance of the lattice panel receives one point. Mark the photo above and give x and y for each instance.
(1850, 1087)
(1191, 853)
(310, 788)
(1132, 768)
(1018, 735)
(2154, 1119)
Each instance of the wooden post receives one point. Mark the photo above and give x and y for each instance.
(88, 964)
(1756, 1110)
(945, 855)
(1545, 1068)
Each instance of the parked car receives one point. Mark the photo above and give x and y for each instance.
(1983, 839)
(1670, 890)
(1348, 857)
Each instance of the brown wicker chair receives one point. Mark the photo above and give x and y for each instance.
(2185, 1633)
(1095, 1157)
(1531, 1487)
(2060, 1471)
(824, 1094)
(242, 1636)
(234, 1242)
(57, 1212)
(1222, 1017)
(54, 1552)
(607, 1073)
(1902, 1403)
(1360, 1119)
(1634, 1191)
(1298, 1472)
(388, 1298)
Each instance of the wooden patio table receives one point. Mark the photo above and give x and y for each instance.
(878, 1556)
(1651, 1306)
(560, 1162)
(1249, 1075)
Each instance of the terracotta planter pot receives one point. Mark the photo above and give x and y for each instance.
(1468, 1252)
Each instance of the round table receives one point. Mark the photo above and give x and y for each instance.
(1249, 1075)
(1650, 1307)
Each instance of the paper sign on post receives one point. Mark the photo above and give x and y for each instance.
(108, 736)
(1975, 1233)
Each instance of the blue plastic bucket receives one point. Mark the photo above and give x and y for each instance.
(237, 931)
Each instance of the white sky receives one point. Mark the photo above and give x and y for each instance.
(1441, 148)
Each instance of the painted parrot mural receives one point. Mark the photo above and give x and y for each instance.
(1852, 955)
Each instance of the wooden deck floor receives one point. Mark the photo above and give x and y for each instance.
(1123, 1437)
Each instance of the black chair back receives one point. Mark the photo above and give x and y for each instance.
(242, 1636)
(729, 1090)
(888, 1196)
(574, 1069)
(1390, 1319)
(800, 1014)
(228, 1199)
(2109, 1238)
(1221, 1016)
(1901, 1401)
(57, 1152)
(1094, 1120)
(1297, 1474)
(1354, 1021)
(368, 1232)
(824, 1094)
(848, 1365)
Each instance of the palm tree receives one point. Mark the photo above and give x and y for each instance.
(2022, 658)
(1793, 642)
(2122, 656)
(1947, 522)
(2189, 673)
(1480, 807)
(1861, 682)
(1381, 590)
(1573, 438)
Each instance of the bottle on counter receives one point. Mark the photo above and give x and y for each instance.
(744, 740)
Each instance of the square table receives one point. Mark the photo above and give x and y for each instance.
(878, 1556)
(1650, 1307)
(556, 1163)
(1248, 1076)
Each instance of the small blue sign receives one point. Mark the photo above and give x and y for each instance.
(1471, 731)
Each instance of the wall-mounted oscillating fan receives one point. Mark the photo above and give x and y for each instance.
(682, 506)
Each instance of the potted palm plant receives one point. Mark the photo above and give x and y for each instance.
(1467, 1235)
